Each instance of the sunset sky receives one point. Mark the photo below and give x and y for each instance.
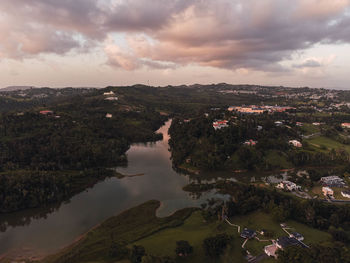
(120, 42)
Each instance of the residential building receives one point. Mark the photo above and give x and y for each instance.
(250, 142)
(285, 241)
(111, 98)
(345, 193)
(327, 191)
(270, 250)
(332, 181)
(108, 115)
(278, 123)
(297, 236)
(248, 233)
(220, 124)
(295, 143)
(288, 185)
(46, 112)
(345, 125)
(110, 93)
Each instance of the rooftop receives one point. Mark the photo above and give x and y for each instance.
(287, 241)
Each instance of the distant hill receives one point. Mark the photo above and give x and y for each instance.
(13, 88)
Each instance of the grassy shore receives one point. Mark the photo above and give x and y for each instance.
(127, 227)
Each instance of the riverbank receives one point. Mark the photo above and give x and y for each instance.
(126, 228)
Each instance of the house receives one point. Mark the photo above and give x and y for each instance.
(332, 181)
(295, 143)
(270, 250)
(278, 123)
(220, 124)
(345, 193)
(288, 185)
(345, 125)
(297, 236)
(250, 142)
(108, 115)
(111, 98)
(299, 124)
(248, 233)
(327, 191)
(110, 93)
(46, 112)
(285, 241)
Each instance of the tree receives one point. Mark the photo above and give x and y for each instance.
(215, 246)
(137, 252)
(183, 248)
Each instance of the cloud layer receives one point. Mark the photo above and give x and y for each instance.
(230, 34)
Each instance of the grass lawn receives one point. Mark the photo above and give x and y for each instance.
(260, 220)
(129, 226)
(276, 159)
(194, 230)
(337, 192)
(140, 226)
(308, 128)
(328, 143)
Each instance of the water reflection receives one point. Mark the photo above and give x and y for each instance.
(47, 230)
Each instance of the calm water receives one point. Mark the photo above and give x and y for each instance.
(45, 231)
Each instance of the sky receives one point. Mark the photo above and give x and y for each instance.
(171, 42)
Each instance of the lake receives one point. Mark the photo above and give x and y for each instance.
(42, 231)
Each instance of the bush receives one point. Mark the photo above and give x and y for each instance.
(183, 248)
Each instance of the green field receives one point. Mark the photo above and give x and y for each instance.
(278, 159)
(321, 141)
(140, 226)
(260, 220)
(308, 128)
(127, 227)
(195, 230)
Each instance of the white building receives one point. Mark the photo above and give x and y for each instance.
(345, 193)
(295, 143)
(288, 185)
(111, 98)
(110, 93)
(108, 115)
(327, 191)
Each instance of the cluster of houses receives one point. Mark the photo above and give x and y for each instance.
(250, 142)
(333, 181)
(48, 113)
(288, 186)
(294, 239)
(111, 96)
(219, 124)
(252, 109)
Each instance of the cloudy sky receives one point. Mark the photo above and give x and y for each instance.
(118, 42)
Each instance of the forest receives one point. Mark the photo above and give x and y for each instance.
(46, 158)
(197, 144)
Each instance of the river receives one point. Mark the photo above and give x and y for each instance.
(42, 231)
